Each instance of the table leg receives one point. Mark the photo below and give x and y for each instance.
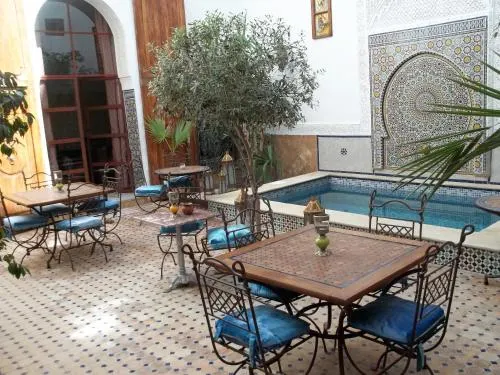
(183, 278)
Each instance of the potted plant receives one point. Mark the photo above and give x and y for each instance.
(175, 136)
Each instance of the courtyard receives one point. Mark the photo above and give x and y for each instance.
(117, 318)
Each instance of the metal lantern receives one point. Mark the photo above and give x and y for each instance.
(228, 168)
(313, 208)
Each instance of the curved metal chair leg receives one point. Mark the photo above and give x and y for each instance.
(315, 352)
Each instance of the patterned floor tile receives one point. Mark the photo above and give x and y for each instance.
(116, 318)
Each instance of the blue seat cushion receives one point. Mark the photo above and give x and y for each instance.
(276, 329)
(217, 239)
(150, 190)
(99, 205)
(185, 228)
(392, 318)
(79, 223)
(54, 209)
(21, 223)
(270, 292)
(179, 181)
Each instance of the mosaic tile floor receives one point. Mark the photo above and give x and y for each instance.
(116, 318)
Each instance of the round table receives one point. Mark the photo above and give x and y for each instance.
(180, 171)
(490, 203)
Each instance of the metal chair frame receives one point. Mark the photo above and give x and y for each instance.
(434, 286)
(224, 291)
(35, 237)
(405, 231)
(260, 223)
(37, 180)
(78, 238)
(166, 250)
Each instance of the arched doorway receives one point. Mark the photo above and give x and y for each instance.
(81, 96)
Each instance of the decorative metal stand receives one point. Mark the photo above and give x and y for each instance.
(322, 225)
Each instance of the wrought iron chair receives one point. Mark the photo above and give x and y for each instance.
(80, 224)
(406, 326)
(259, 333)
(110, 204)
(402, 218)
(169, 233)
(246, 227)
(42, 180)
(28, 232)
(249, 226)
(156, 195)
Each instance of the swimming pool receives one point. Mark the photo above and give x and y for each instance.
(449, 207)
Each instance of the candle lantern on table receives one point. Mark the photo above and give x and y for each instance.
(322, 225)
(313, 208)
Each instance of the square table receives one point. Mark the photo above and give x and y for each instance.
(50, 195)
(166, 218)
(359, 263)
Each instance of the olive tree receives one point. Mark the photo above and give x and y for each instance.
(235, 75)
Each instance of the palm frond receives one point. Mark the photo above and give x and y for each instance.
(182, 133)
(435, 164)
(157, 129)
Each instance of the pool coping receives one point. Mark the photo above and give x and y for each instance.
(486, 239)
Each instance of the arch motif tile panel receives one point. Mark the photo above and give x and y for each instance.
(453, 46)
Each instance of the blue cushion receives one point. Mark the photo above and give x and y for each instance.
(79, 223)
(392, 318)
(270, 292)
(100, 205)
(150, 190)
(217, 239)
(185, 228)
(54, 209)
(276, 329)
(179, 181)
(21, 223)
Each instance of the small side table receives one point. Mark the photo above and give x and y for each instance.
(490, 203)
(166, 218)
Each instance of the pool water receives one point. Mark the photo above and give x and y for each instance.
(441, 210)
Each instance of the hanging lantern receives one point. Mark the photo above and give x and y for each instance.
(228, 168)
(313, 208)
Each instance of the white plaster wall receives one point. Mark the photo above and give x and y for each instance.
(345, 154)
(120, 17)
(338, 109)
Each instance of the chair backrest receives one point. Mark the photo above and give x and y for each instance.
(402, 217)
(435, 284)
(37, 180)
(113, 179)
(258, 225)
(224, 292)
(86, 205)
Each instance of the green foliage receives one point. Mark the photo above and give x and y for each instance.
(266, 165)
(441, 157)
(13, 267)
(239, 76)
(174, 135)
(14, 116)
(14, 120)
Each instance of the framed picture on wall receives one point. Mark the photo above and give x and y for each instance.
(321, 13)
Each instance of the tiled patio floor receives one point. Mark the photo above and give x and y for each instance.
(116, 318)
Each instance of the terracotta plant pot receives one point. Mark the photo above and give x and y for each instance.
(187, 208)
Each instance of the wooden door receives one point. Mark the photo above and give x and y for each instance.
(154, 22)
